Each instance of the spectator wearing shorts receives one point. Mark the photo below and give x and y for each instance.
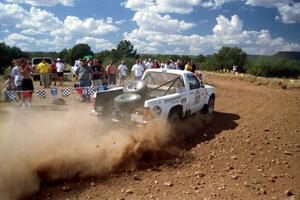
(122, 68)
(60, 67)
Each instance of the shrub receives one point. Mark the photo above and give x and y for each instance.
(269, 66)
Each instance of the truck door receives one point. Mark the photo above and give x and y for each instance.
(195, 94)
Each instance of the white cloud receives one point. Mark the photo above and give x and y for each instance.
(120, 22)
(40, 25)
(227, 32)
(267, 3)
(20, 40)
(5, 31)
(109, 20)
(214, 3)
(73, 26)
(289, 10)
(290, 13)
(162, 6)
(152, 21)
(96, 43)
(179, 6)
(43, 2)
(39, 20)
(11, 13)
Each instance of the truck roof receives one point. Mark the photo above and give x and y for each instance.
(171, 71)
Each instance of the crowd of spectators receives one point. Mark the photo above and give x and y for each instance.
(90, 72)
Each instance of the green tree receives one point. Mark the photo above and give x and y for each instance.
(16, 52)
(65, 55)
(4, 59)
(103, 55)
(79, 51)
(7, 54)
(174, 57)
(200, 58)
(125, 49)
(185, 59)
(228, 56)
(115, 55)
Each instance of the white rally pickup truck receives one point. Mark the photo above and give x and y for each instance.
(163, 95)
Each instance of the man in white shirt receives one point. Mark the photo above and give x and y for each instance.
(122, 68)
(138, 70)
(60, 67)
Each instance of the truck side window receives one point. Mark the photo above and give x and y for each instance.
(193, 82)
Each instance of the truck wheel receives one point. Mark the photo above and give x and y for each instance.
(208, 110)
(174, 119)
(135, 86)
(127, 99)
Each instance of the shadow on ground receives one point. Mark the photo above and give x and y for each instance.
(199, 129)
(191, 132)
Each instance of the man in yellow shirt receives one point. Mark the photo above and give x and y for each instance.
(44, 70)
(188, 67)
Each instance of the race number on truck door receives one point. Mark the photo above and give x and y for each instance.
(195, 101)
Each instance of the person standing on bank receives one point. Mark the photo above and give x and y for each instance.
(138, 70)
(96, 78)
(188, 67)
(60, 67)
(84, 74)
(53, 73)
(111, 71)
(122, 68)
(194, 67)
(44, 70)
(15, 73)
(27, 84)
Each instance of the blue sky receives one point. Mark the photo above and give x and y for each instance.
(153, 26)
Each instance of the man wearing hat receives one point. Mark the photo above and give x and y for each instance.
(60, 67)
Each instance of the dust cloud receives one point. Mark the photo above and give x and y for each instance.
(38, 145)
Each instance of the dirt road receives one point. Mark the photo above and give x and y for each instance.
(251, 150)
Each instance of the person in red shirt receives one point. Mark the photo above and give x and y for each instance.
(111, 71)
(54, 73)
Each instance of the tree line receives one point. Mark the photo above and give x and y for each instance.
(225, 58)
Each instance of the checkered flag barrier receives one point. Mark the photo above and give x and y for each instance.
(91, 90)
(41, 94)
(65, 92)
(11, 95)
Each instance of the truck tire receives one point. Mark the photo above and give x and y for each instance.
(208, 110)
(174, 119)
(135, 86)
(124, 100)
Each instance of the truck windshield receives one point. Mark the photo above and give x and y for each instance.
(37, 61)
(165, 79)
